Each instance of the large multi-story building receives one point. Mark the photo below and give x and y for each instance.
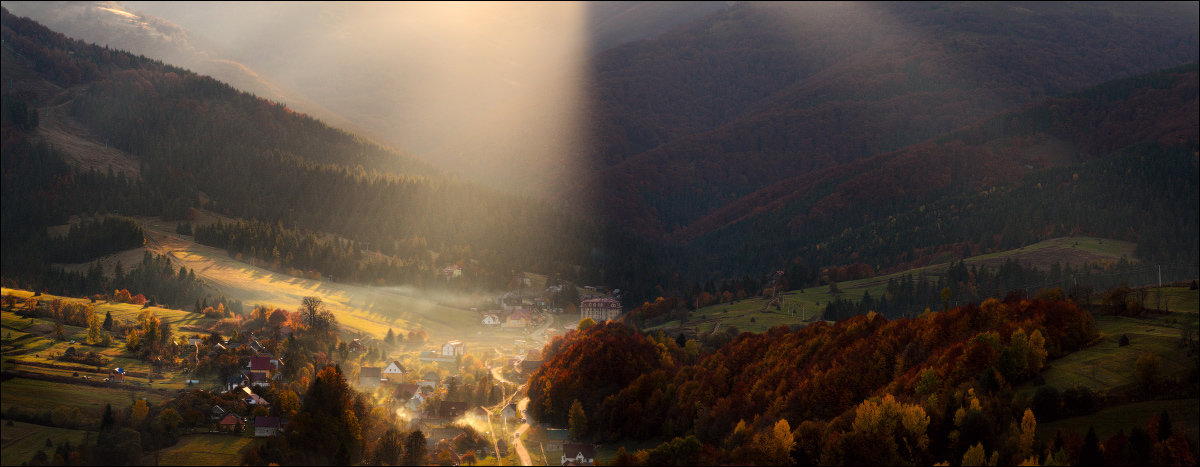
(600, 309)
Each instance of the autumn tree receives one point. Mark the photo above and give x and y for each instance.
(577, 421)
(899, 430)
(96, 334)
(139, 412)
(389, 447)
(414, 449)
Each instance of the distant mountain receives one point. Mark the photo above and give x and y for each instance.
(611, 24)
(1116, 160)
(698, 117)
(112, 24)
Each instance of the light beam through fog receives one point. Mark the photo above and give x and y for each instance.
(489, 90)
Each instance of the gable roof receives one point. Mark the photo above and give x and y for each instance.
(231, 419)
(265, 421)
(452, 409)
(395, 364)
(406, 390)
(261, 364)
(573, 450)
(369, 372)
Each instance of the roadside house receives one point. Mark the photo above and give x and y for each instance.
(578, 454)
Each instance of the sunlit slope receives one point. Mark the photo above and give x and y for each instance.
(371, 310)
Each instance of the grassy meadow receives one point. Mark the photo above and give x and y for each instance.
(804, 306)
(206, 449)
(21, 441)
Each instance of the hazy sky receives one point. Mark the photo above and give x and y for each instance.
(490, 90)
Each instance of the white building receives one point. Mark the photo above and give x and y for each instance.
(600, 309)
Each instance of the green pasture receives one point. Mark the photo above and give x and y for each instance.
(31, 393)
(206, 449)
(22, 440)
(810, 303)
(1106, 365)
(1175, 299)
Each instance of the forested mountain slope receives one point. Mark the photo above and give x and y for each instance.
(200, 143)
(696, 118)
(1116, 160)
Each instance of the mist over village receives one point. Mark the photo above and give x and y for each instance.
(600, 233)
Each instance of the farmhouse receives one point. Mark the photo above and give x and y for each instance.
(453, 349)
(599, 309)
(231, 422)
(491, 319)
(265, 426)
(393, 372)
(556, 438)
(415, 402)
(578, 454)
(451, 409)
(517, 319)
(369, 376)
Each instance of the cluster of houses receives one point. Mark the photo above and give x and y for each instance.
(260, 372)
(518, 312)
(229, 421)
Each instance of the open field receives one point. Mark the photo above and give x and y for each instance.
(1127, 417)
(29, 393)
(1175, 299)
(1106, 366)
(801, 307)
(370, 310)
(31, 341)
(206, 449)
(22, 440)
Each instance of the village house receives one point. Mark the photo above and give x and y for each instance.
(251, 399)
(452, 271)
(258, 379)
(556, 438)
(517, 319)
(510, 411)
(231, 422)
(600, 309)
(578, 454)
(117, 375)
(265, 426)
(454, 349)
(492, 319)
(415, 402)
(452, 409)
(393, 372)
(369, 377)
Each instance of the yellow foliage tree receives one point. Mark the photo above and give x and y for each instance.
(139, 411)
(1037, 351)
(907, 423)
(1028, 427)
